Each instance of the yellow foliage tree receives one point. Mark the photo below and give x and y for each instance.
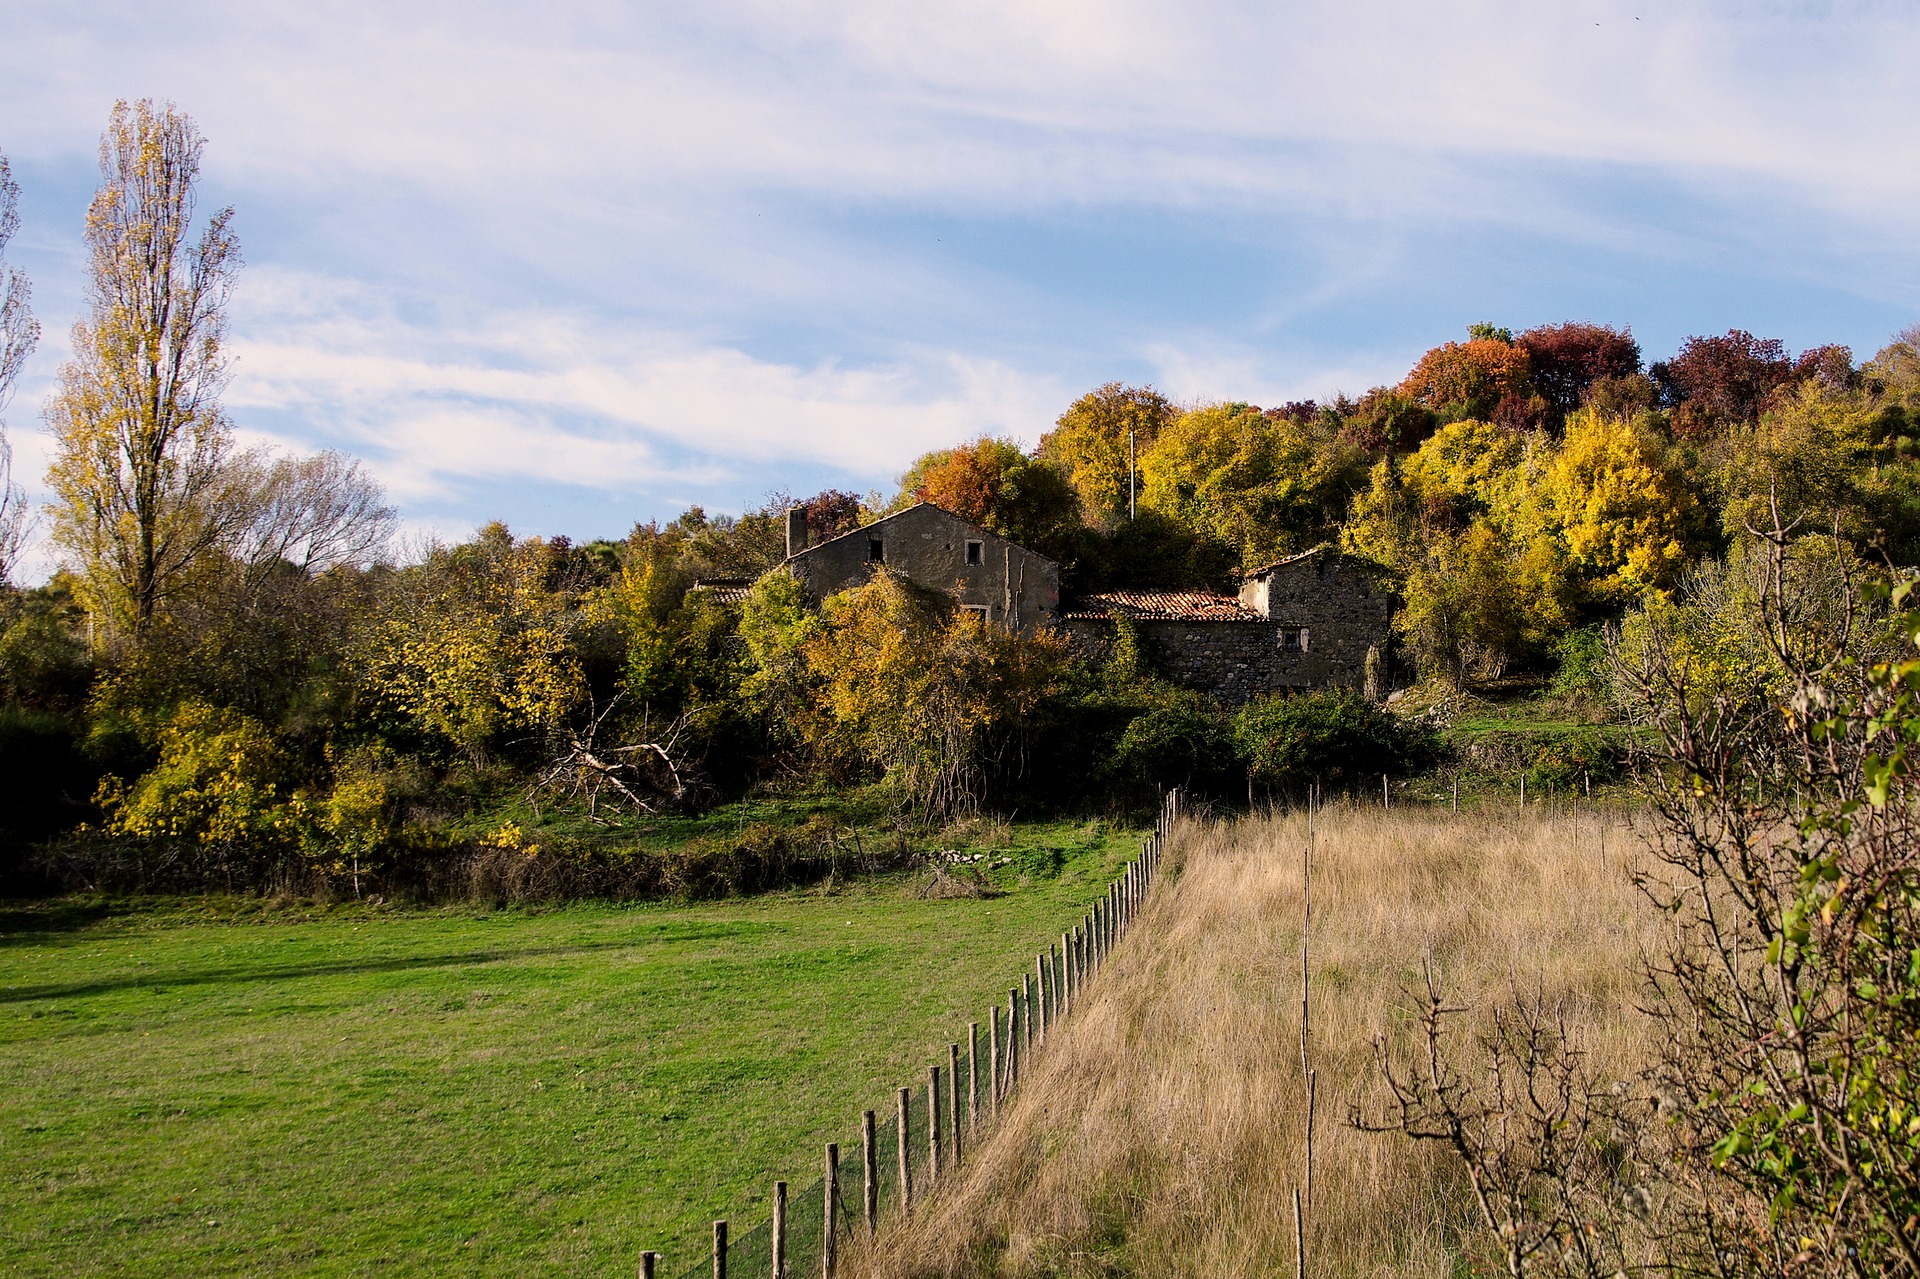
(220, 779)
(1620, 506)
(1471, 460)
(141, 481)
(1097, 441)
(925, 691)
(476, 643)
(1261, 484)
(1813, 453)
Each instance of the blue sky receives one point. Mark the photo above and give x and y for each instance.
(577, 265)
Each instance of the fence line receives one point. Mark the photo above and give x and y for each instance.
(806, 1233)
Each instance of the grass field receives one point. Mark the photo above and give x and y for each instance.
(1163, 1130)
(226, 1087)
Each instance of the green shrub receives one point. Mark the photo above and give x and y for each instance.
(1337, 738)
(1567, 762)
(1186, 742)
(1582, 673)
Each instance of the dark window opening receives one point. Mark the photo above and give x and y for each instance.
(876, 551)
(974, 552)
(1293, 639)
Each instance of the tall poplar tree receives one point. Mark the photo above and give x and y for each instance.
(19, 334)
(142, 489)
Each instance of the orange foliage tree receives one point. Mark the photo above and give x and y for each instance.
(1470, 379)
(994, 484)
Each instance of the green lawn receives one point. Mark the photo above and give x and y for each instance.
(224, 1088)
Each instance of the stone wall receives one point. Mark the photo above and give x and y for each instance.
(1014, 586)
(1330, 603)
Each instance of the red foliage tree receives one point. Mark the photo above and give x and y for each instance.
(1727, 379)
(830, 513)
(1832, 365)
(1567, 359)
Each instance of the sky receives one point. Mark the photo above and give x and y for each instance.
(578, 265)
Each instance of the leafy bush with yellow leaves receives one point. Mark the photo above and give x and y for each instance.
(221, 779)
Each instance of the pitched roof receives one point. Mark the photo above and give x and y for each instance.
(869, 528)
(1161, 606)
(1265, 569)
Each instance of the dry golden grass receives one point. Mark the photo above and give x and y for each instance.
(1162, 1130)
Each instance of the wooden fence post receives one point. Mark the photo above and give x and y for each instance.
(719, 1250)
(647, 1262)
(993, 1064)
(830, 1238)
(953, 1100)
(933, 1126)
(1299, 1239)
(1017, 1031)
(1057, 966)
(779, 1230)
(1040, 990)
(869, 1175)
(906, 1150)
(1012, 1072)
(973, 1077)
(1063, 976)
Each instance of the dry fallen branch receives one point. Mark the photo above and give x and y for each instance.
(584, 771)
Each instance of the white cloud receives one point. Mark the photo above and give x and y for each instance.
(550, 396)
(623, 246)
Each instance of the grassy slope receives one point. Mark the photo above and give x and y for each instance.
(224, 1089)
(1163, 1130)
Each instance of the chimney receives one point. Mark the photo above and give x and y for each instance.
(796, 530)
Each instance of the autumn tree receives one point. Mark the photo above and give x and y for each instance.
(928, 693)
(476, 643)
(1565, 360)
(830, 512)
(19, 334)
(141, 481)
(1266, 486)
(1096, 443)
(1716, 381)
(992, 483)
(1470, 379)
(1383, 421)
(1621, 506)
(1896, 366)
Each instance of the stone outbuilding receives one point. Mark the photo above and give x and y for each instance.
(1001, 580)
(1304, 622)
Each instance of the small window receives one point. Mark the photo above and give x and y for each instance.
(979, 609)
(1293, 639)
(876, 551)
(975, 552)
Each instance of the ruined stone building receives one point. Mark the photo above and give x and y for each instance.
(1304, 622)
(1300, 623)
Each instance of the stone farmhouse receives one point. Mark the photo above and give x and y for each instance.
(1001, 580)
(1308, 621)
(1319, 619)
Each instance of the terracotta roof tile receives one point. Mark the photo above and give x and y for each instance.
(1162, 606)
(730, 590)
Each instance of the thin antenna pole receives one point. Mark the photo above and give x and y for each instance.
(1306, 931)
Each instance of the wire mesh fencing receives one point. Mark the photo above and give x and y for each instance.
(924, 1132)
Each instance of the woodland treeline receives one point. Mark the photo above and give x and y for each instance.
(232, 668)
